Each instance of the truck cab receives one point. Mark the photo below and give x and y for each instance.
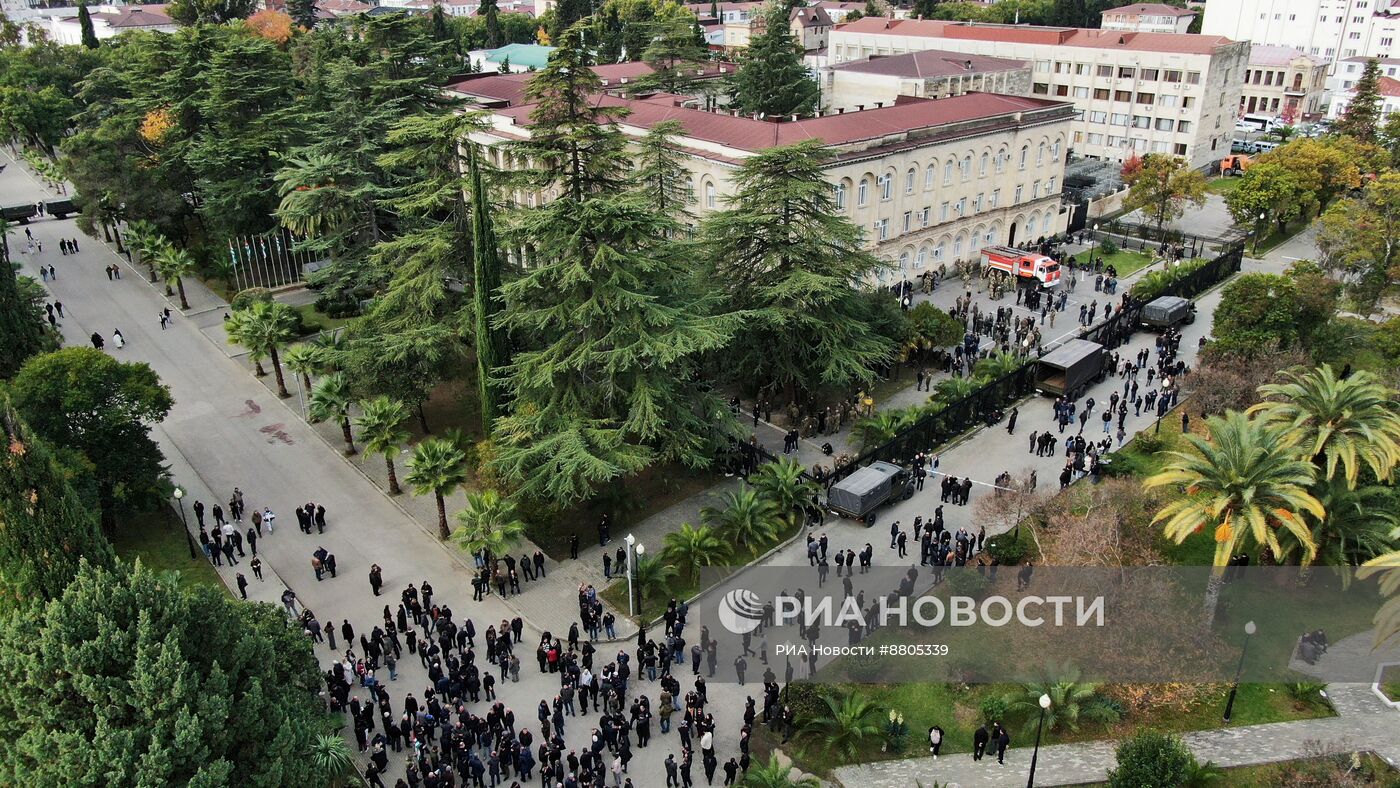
(1022, 265)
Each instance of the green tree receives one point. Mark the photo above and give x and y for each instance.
(744, 517)
(1362, 115)
(1387, 619)
(692, 548)
(437, 466)
(774, 773)
(22, 330)
(303, 12)
(781, 251)
(174, 265)
(381, 429)
(1338, 423)
(997, 365)
(492, 344)
(784, 482)
(488, 525)
(264, 327)
(1244, 483)
(1162, 188)
(880, 428)
(1270, 190)
(661, 176)
(211, 12)
(329, 756)
(45, 530)
(330, 399)
(303, 359)
(1071, 701)
(772, 79)
(89, 35)
(1360, 238)
(1388, 137)
(97, 412)
(184, 687)
(1151, 760)
(847, 722)
(1258, 313)
(651, 576)
(490, 12)
(673, 54)
(1361, 524)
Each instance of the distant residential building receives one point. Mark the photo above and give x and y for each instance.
(1334, 30)
(931, 73)
(729, 13)
(107, 21)
(1147, 18)
(1283, 81)
(520, 57)
(1137, 93)
(810, 27)
(1388, 88)
(930, 181)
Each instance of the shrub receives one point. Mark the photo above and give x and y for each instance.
(338, 305)
(250, 296)
(1107, 247)
(1151, 760)
(805, 699)
(993, 709)
(967, 582)
(1007, 549)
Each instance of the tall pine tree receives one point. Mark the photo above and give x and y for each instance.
(492, 346)
(490, 14)
(89, 34)
(772, 79)
(781, 251)
(674, 55)
(45, 529)
(303, 12)
(1363, 114)
(661, 175)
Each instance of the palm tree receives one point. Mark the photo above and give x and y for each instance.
(849, 721)
(381, 428)
(1359, 525)
(880, 428)
(438, 467)
(175, 265)
(1070, 701)
(950, 390)
(783, 482)
(1387, 619)
(331, 345)
(691, 548)
(774, 774)
(331, 399)
(1243, 482)
(330, 757)
(263, 328)
(489, 525)
(303, 359)
(651, 576)
(1349, 422)
(744, 518)
(997, 365)
(312, 203)
(142, 236)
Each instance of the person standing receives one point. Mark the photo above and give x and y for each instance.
(256, 566)
(376, 578)
(1011, 422)
(242, 586)
(979, 742)
(1003, 741)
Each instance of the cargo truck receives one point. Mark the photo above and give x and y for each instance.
(1069, 369)
(1167, 312)
(862, 492)
(19, 213)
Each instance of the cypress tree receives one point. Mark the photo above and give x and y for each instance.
(782, 252)
(772, 78)
(85, 24)
(22, 332)
(492, 349)
(303, 12)
(491, 14)
(1363, 114)
(45, 529)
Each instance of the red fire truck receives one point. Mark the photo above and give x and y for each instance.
(1018, 263)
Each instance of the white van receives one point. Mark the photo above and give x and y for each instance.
(1255, 122)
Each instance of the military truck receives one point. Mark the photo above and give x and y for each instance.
(1167, 312)
(1069, 369)
(60, 208)
(862, 492)
(19, 213)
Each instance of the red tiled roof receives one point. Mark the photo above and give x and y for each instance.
(1151, 9)
(614, 72)
(1026, 34)
(748, 134)
(134, 16)
(1388, 87)
(929, 63)
(506, 88)
(811, 17)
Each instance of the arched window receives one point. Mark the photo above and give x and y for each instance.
(947, 172)
(982, 170)
(909, 180)
(840, 196)
(863, 192)
(711, 198)
(1055, 149)
(958, 246)
(1002, 156)
(1046, 227)
(1025, 152)
(928, 177)
(991, 236)
(886, 184)
(903, 260)
(939, 251)
(922, 257)
(966, 167)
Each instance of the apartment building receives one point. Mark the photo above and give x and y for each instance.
(1285, 82)
(1388, 88)
(810, 27)
(930, 181)
(1333, 30)
(1349, 70)
(1147, 18)
(928, 74)
(1136, 92)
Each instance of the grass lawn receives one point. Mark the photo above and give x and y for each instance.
(1223, 185)
(156, 539)
(1322, 770)
(316, 322)
(1390, 682)
(957, 709)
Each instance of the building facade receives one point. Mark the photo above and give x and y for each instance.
(810, 28)
(1285, 82)
(1137, 92)
(1388, 88)
(63, 27)
(1147, 18)
(931, 182)
(928, 74)
(1333, 30)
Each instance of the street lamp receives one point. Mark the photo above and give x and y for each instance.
(1044, 706)
(1259, 232)
(641, 618)
(1093, 242)
(1249, 630)
(631, 543)
(179, 494)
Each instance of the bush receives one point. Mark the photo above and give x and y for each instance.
(806, 700)
(250, 296)
(993, 709)
(967, 582)
(1107, 247)
(1007, 549)
(1151, 760)
(338, 305)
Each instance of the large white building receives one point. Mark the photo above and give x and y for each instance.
(1331, 29)
(930, 181)
(1147, 18)
(1136, 92)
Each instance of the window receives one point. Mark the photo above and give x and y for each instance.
(1119, 119)
(1025, 151)
(1035, 190)
(921, 258)
(908, 221)
(965, 169)
(1050, 186)
(1040, 89)
(1147, 98)
(1095, 139)
(1081, 93)
(1122, 95)
(947, 172)
(1105, 71)
(995, 198)
(1171, 76)
(1114, 141)
(982, 168)
(710, 197)
(1002, 156)
(1181, 148)
(1055, 150)
(1148, 75)
(1098, 117)
(1042, 66)
(841, 196)
(1168, 100)
(958, 245)
(1045, 228)
(923, 217)
(882, 229)
(1040, 155)
(1161, 147)
(1017, 201)
(1187, 102)
(909, 181)
(1193, 77)
(1126, 72)
(962, 206)
(886, 187)
(1387, 41)
(928, 177)
(977, 203)
(1062, 90)
(863, 192)
(1101, 94)
(1165, 124)
(939, 250)
(943, 212)
(1354, 35)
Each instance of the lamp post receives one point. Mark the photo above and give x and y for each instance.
(1259, 232)
(1249, 630)
(179, 494)
(1093, 242)
(631, 605)
(1044, 706)
(641, 617)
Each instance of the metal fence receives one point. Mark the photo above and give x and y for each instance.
(981, 406)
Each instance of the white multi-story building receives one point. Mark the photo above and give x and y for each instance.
(928, 74)
(1388, 88)
(63, 27)
(1147, 18)
(1136, 93)
(930, 181)
(1333, 30)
